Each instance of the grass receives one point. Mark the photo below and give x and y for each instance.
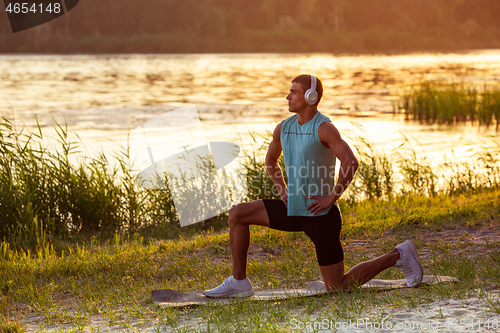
(109, 283)
(62, 274)
(45, 196)
(445, 103)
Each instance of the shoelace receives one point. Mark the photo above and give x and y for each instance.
(407, 270)
(227, 281)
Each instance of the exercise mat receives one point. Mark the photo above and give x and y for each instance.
(174, 298)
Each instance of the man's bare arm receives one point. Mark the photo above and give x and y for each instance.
(329, 135)
(273, 154)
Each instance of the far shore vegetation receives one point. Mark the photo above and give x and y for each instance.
(82, 241)
(223, 26)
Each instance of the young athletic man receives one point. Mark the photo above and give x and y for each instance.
(310, 145)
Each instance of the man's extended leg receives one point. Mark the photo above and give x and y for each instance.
(404, 256)
(241, 216)
(334, 276)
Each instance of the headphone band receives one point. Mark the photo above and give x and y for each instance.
(313, 83)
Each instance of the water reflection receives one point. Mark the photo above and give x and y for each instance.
(55, 83)
(102, 97)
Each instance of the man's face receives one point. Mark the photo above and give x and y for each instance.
(296, 101)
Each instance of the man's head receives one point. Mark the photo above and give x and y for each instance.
(305, 81)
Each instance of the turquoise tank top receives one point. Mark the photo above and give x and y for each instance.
(310, 166)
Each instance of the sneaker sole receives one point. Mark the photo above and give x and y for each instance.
(415, 256)
(232, 294)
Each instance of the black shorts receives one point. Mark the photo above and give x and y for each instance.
(323, 230)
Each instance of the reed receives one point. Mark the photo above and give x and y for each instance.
(452, 103)
(43, 194)
(375, 176)
(45, 198)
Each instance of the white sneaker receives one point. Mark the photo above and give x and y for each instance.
(231, 288)
(409, 263)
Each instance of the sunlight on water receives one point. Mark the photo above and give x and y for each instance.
(103, 97)
(55, 83)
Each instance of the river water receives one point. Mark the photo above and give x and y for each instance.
(102, 98)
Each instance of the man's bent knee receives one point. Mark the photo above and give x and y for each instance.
(234, 215)
(347, 282)
(239, 213)
(248, 213)
(333, 276)
(333, 285)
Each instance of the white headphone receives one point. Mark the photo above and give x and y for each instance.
(311, 96)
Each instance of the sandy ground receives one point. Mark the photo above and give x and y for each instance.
(449, 315)
(475, 313)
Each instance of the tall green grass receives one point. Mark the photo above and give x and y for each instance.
(445, 103)
(383, 175)
(46, 195)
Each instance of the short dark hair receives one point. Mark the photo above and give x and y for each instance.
(305, 82)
